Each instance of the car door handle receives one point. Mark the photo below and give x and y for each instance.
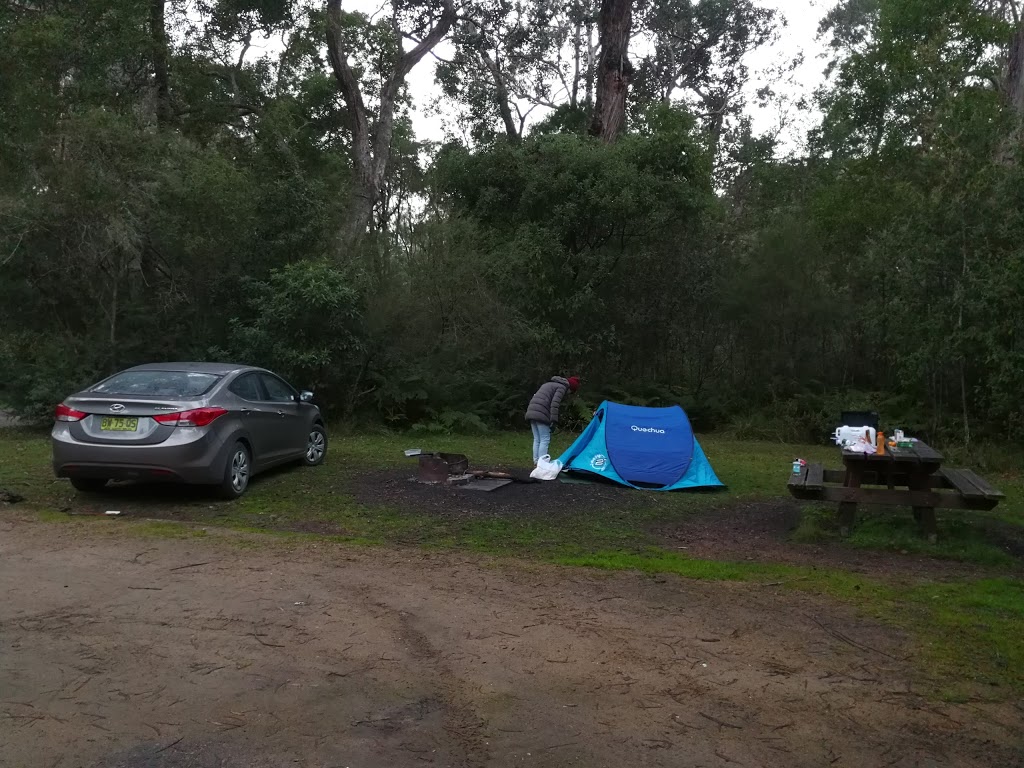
(281, 413)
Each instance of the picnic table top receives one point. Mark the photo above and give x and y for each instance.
(917, 453)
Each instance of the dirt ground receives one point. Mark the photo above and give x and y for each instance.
(237, 652)
(520, 500)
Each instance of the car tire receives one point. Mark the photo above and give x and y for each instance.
(316, 446)
(88, 484)
(237, 472)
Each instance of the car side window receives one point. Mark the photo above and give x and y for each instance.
(277, 390)
(247, 387)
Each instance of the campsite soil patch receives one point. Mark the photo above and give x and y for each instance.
(762, 531)
(158, 653)
(548, 500)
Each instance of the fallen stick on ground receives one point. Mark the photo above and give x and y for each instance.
(721, 722)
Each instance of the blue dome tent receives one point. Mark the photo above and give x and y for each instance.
(648, 448)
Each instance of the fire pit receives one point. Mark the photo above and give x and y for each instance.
(437, 468)
(443, 468)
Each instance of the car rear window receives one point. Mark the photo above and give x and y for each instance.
(184, 384)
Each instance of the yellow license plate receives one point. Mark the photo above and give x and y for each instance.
(118, 424)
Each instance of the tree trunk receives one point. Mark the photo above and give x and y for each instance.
(371, 148)
(358, 214)
(962, 292)
(1013, 77)
(501, 94)
(591, 61)
(716, 105)
(161, 68)
(113, 328)
(1011, 84)
(614, 70)
(577, 39)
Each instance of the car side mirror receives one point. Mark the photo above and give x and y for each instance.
(306, 396)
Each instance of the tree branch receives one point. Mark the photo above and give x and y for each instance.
(412, 57)
(17, 245)
(523, 116)
(394, 83)
(246, 44)
(432, 52)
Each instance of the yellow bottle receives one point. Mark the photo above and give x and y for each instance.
(880, 446)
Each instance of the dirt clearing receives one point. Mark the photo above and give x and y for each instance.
(128, 652)
(520, 500)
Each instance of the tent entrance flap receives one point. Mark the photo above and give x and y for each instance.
(651, 448)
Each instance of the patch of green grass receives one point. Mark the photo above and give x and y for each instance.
(972, 630)
(960, 539)
(48, 515)
(25, 462)
(659, 561)
(817, 525)
(963, 537)
(758, 470)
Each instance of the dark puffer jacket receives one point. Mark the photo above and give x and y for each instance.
(545, 404)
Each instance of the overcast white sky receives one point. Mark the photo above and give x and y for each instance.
(799, 36)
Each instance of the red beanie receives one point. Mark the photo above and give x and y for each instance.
(574, 383)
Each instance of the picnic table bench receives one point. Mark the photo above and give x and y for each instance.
(911, 477)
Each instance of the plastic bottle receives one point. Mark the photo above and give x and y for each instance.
(880, 447)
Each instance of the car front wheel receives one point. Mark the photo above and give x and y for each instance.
(237, 472)
(316, 446)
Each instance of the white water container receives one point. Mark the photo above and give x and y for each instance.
(844, 436)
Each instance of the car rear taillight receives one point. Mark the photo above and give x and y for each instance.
(200, 417)
(65, 413)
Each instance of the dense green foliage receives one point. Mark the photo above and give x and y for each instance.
(199, 214)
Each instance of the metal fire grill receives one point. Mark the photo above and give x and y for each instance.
(453, 469)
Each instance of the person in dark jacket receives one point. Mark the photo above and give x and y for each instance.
(543, 411)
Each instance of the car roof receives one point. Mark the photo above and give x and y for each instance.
(219, 369)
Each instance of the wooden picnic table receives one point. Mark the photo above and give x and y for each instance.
(911, 468)
(911, 477)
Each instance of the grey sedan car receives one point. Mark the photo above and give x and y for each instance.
(199, 423)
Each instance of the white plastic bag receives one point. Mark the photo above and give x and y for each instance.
(546, 469)
(861, 447)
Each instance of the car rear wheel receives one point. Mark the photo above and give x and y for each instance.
(237, 472)
(88, 484)
(316, 446)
